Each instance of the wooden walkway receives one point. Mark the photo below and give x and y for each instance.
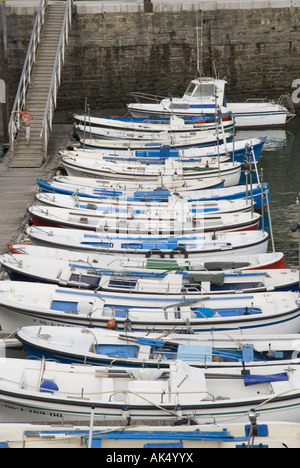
(33, 155)
(18, 186)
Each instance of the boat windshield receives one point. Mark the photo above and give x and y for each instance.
(200, 90)
(190, 89)
(205, 90)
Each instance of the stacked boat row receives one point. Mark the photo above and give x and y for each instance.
(151, 267)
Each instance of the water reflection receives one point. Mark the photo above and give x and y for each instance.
(280, 162)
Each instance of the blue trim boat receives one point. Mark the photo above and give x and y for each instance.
(26, 303)
(35, 390)
(208, 244)
(100, 347)
(80, 187)
(149, 282)
(204, 96)
(237, 150)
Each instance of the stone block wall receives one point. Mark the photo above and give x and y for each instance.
(115, 51)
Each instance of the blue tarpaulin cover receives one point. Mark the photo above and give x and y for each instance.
(255, 379)
(150, 342)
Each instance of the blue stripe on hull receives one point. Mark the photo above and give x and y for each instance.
(215, 327)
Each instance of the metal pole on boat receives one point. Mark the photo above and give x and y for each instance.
(89, 115)
(85, 106)
(217, 131)
(42, 369)
(199, 49)
(197, 43)
(246, 184)
(253, 425)
(262, 202)
(254, 162)
(233, 138)
(91, 427)
(248, 171)
(270, 222)
(223, 132)
(251, 184)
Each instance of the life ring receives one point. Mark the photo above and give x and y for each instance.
(155, 251)
(180, 250)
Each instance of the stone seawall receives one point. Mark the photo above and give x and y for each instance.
(116, 48)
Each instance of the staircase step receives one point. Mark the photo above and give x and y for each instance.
(31, 155)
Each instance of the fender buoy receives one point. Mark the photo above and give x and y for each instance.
(155, 251)
(111, 324)
(180, 250)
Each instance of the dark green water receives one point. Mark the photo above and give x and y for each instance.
(280, 162)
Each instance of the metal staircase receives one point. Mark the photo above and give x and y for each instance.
(39, 83)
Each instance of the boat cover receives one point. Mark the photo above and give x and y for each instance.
(255, 379)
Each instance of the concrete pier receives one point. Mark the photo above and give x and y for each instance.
(18, 187)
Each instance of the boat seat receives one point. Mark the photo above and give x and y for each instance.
(63, 276)
(144, 352)
(280, 387)
(17, 379)
(185, 379)
(152, 390)
(205, 286)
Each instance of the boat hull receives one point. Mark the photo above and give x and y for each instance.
(266, 261)
(230, 193)
(63, 218)
(231, 173)
(26, 406)
(111, 348)
(255, 242)
(14, 316)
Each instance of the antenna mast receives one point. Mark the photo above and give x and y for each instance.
(199, 49)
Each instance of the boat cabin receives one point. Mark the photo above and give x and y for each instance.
(205, 92)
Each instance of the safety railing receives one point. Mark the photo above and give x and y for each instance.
(14, 122)
(142, 97)
(56, 77)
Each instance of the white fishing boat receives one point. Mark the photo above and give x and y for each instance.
(174, 202)
(169, 162)
(203, 97)
(229, 171)
(155, 222)
(208, 244)
(143, 266)
(236, 150)
(37, 391)
(26, 303)
(8, 342)
(251, 113)
(159, 190)
(251, 434)
(205, 138)
(190, 190)
(260, 113)
(130, 129)
(154, 281)
(101, 347)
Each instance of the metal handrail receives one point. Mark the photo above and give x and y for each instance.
(139, 97)
(56, 75)
(14, 122)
